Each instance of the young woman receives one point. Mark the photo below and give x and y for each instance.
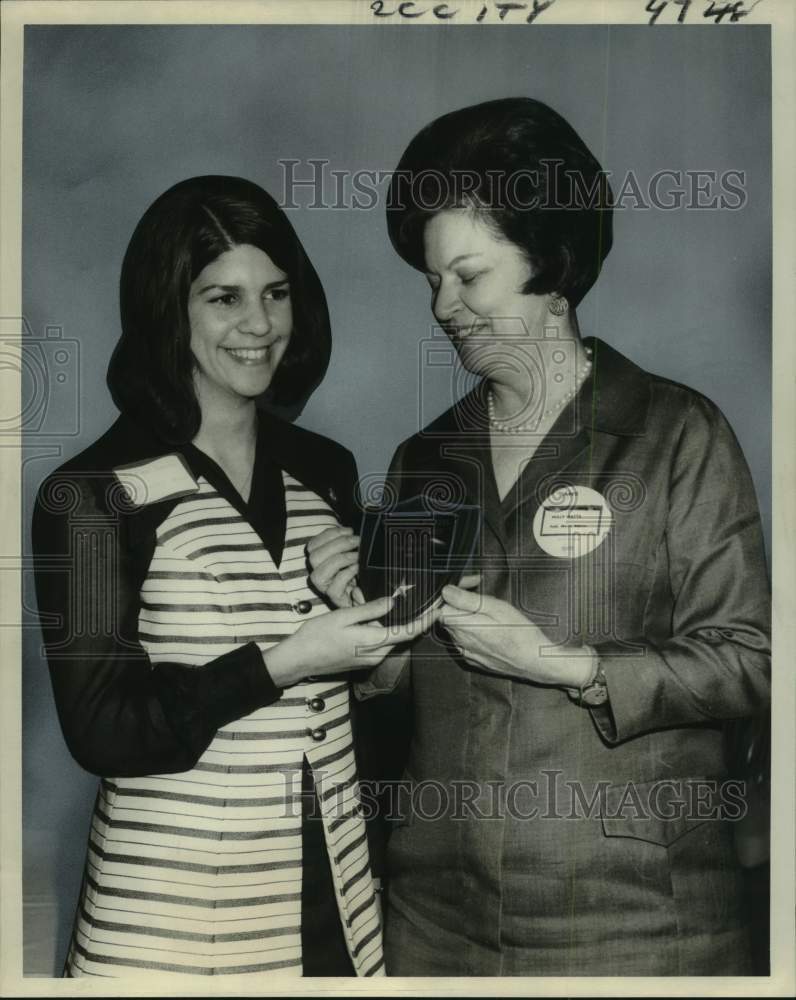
(193, 667)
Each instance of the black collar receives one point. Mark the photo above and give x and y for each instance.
(265, 510)
(304, 455)
(307, 457)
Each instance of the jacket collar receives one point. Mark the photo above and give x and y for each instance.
(297, 451)
(617, 397)
(615, 400)
(127, 442)
(286, 446)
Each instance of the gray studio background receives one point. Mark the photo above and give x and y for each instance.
(115, 115)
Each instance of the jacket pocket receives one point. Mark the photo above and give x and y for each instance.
(658, 812)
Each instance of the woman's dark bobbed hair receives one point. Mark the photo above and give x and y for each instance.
(522, 166)
(151, 372)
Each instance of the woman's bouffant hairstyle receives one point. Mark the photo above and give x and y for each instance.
(522, 167)
(150, 375)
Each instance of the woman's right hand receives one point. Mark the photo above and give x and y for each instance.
(348, 639)
(334, 558)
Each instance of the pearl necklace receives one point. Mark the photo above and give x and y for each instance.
(504, 427)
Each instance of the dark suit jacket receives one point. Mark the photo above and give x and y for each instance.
(676, 602)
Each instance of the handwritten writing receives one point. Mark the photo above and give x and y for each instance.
(732, 11)
(527, 11)
(414, 9)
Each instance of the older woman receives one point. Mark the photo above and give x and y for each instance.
(569, 798)
(193, 668)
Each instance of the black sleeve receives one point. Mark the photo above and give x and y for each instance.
(122, 715)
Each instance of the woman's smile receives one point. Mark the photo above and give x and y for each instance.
(249, 355)
(461, 332)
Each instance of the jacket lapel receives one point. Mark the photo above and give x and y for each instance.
(614, 400)
(457, 454)
(565, 444)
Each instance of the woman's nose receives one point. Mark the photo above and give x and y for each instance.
(444, 303)
(256, 320)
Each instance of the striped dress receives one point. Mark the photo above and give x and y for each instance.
(201, 872)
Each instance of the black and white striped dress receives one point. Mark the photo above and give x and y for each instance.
(200, 872)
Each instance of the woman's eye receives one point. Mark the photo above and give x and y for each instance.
(228, 299)
(467, 279)
(280, 294)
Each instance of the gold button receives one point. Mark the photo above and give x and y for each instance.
(319, 735)
(317, 704)
(303, 607)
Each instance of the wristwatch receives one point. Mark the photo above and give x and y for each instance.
(594, 693)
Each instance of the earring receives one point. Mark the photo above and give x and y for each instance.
(558, 305)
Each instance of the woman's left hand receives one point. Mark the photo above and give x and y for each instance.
(496, 636)
(333, 556)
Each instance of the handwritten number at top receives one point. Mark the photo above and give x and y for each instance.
(718, 11)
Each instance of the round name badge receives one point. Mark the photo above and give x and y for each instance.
(572, 521)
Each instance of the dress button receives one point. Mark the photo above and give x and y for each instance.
(319, 735)
(302, 608)
(317, 704)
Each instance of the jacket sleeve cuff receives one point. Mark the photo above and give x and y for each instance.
(638, 699)
(263, 683)
(603, 718)
(602, 715)
(623, 715)
(384, 678)
(238, 683)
